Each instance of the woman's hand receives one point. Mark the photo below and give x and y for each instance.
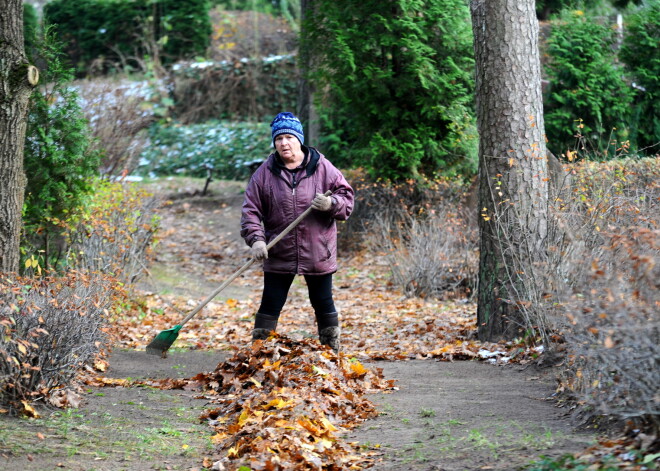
(322, 202)
(259, 250)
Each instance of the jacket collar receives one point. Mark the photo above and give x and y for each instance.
(312, 157)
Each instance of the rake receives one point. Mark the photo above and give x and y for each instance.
(166, 338)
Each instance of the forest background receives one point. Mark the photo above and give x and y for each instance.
(161, 89)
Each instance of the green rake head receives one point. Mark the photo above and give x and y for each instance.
(163, 341)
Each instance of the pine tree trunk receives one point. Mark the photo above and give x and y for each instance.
(306, 109)
(513, 175)
(17, 77)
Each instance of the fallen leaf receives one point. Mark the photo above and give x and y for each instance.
(358, 369)
(29, 410)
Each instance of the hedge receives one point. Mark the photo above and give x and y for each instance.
(107, 33)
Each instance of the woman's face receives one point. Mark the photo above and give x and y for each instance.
(288, 146)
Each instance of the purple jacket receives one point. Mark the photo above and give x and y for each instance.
(276, 197)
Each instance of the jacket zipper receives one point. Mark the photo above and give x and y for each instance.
(295, 233)
(294, 183)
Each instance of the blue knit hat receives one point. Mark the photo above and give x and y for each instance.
(287, 123)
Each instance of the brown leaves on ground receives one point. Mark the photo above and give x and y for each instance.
(378, 323)
(64, 398)
(283, 404)
(635, 451)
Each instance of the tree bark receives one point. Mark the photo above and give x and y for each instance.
(306, 110)
(513, 172)
(17, 78)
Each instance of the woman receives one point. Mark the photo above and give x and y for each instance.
(285, 185)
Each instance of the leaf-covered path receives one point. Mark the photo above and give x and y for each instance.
(449, 415)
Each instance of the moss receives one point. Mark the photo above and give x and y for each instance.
(18, 75)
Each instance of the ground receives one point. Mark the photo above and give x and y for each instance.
(454, 414)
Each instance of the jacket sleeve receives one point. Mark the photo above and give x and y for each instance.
(342, 197)
(252, 213)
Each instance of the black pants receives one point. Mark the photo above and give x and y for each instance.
(319, 287)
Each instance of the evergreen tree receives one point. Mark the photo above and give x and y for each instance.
(641, 54)
(398, 82)
(588, 95)
(58, 162)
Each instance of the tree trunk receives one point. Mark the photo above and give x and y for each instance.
(306, 109)
(17, 77)
(513, 177)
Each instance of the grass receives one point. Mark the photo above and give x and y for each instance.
(168, 431)
(427, 412)
(569, 462)
(450, 439)
(434, 436)
(414, 453)
(539, 441)
(455, 422)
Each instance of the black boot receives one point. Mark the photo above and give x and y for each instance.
(331, 336)
(329, 331)
(260, 334)
(264, 324)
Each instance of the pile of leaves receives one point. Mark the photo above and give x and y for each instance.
(283, 404)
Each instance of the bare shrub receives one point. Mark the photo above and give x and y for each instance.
(238, 89)
(435, 256)
(116, 235)
(605, 274)
(613, 329)
(251, 73)
(50, 327)
(394, 203)
(428, 239)
(617, 197)
(585, 202)
(118, 119)
(240, 34)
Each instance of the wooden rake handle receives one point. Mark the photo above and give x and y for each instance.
(248, 264)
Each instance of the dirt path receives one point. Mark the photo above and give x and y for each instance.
(462, 415)
(450, 416)
(466, 415)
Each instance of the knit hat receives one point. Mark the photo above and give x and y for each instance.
(287, 123)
